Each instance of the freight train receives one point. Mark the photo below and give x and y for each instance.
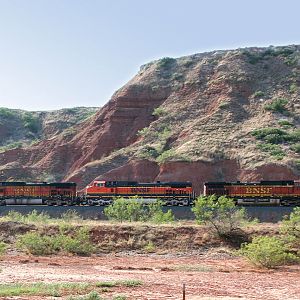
(96, 193)
(280, 193)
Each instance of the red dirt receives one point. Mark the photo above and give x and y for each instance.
(217, 275)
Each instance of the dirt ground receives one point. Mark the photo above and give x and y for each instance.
(213, 274)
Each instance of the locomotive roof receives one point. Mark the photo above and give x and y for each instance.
(264, 182)
(21, 183)
(147, 184)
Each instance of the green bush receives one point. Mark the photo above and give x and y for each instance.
(155, 213)
(149, 152)
(263, 133)
(274, 150)
(159, 111)
(285, 123)
(294, 136)
(258, 94)
(266, 251)
(78, 244)
(6, 113)
(277, 105)
(166, 62)
(31, 122)
(3, 248)
(165, 156)
(131, 210)
(293, 88)
(32, 217)
(221, 214)
(125, 210)
(290, 230)
(144, 131)
(38, 244)
(296, 148)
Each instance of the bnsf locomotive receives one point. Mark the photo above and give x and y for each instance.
(38, 193)
(171, 193)
(284, 193)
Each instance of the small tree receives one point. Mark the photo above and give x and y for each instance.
(125, 210)
(132, 210)
(156, 214)
(290, 230)
(220, 213)
(268, 252)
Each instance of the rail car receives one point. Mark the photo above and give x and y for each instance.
(24, 193)
(170, 193)
(280, 193)
(96, 193)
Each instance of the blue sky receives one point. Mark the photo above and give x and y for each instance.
(66, 53)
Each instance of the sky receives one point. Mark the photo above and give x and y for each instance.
(66, 53)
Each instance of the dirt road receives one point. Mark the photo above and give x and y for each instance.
(210, 275)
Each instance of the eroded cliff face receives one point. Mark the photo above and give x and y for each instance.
(223, 115)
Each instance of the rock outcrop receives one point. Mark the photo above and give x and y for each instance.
(222, 115)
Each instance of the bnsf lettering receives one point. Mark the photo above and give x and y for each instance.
(140, 190)
(258, 190)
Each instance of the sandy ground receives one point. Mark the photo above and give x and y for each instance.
(206, 276)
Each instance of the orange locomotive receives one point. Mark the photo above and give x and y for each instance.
(14, 193)
(171, 193)
(285, 193)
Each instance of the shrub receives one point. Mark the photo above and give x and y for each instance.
(155, 213)
(31, 122)
(78, 244)
(38, 244)
(293, 88)
(294, 136)
(144, 131)
(149, 152)
(268, 252)
(149, 247)
(36, 217)
(177, 76)
(296, 148)
(132, 210)
(290, 229)
(219, 213)
(271, 135)
(6, 113)
(258, 94)
(159, 111)
(285, 123)
(166, 62)
(3, 248)
(71, 215)
(125, 210)
(277, 105)
(165, 156)
(32, 217)
(224, 104)
(274, 150)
